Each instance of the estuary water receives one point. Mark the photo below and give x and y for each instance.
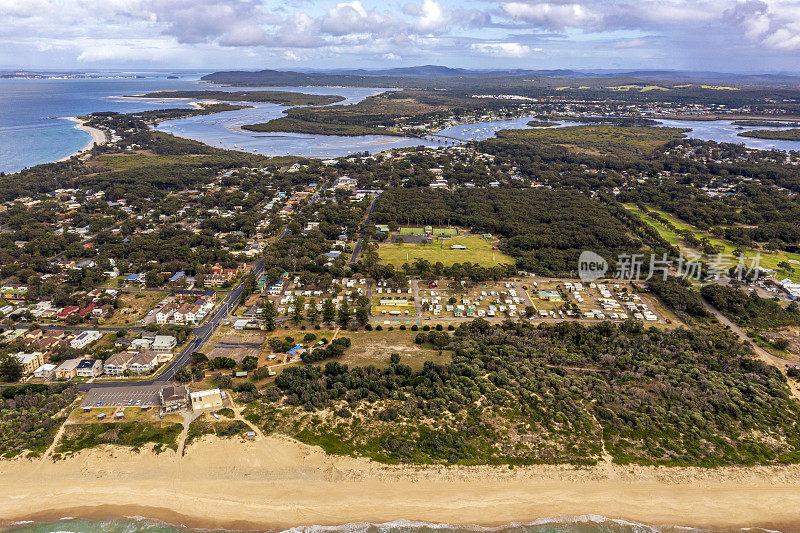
(31, 133)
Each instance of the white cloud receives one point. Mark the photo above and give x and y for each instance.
(494, 49)
(550, 15)
(431, 16)
(180, 32)
(352, 17)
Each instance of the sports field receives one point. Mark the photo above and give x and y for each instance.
(478, 250)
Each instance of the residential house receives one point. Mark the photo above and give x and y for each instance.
(45, 371)
(67, 369)
(173, 398)
(103, 311)
(87, 311)
(143, 362)
(117, 364)
(85, 338)
(13, 292)
(138, 279)
(67, 311)
(89, 368)
(164, 343)
(145, 343)
(164, 315)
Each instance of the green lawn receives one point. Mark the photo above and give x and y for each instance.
(478, 250)
(768, 259)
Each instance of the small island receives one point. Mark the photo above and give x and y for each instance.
(541, 124)
(287, 98)
(792, 134)
(764, 124)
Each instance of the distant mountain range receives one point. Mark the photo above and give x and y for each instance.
(405, 76)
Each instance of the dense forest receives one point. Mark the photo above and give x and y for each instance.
(30, 416)
(750, 310)
(678, 294)
(520, 394)
(544, 229)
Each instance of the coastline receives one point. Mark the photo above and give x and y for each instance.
(98, 137)
(277, 483)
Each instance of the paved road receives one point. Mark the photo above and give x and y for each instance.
(200, 336)
(360, 243)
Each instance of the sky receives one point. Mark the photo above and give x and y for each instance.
(698, 35)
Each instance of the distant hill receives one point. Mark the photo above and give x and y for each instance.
(441, 71)
(442, 77)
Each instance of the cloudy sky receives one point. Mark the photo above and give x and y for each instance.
(727, 35)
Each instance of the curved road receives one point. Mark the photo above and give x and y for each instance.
(200, 336)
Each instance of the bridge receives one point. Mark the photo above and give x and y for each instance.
(445, 139)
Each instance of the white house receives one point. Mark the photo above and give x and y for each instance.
(142, 344)
(143, 362)
(165, 313)
(89, 368)
(45, 371)
(118, 363)
(164, 343)
(85, 339)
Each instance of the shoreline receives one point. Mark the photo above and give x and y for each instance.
(98, 137)
(277, 483)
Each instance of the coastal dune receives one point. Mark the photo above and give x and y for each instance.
(277, 483)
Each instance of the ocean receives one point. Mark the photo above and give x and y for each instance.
(579, 524)
(31, 132)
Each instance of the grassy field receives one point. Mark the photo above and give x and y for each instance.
(375, 347)
(133, 434)
(478, 251)
(768, 259)
(133, 306)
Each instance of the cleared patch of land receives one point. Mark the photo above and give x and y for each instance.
(134, 306)
(375, 347)
(478, 250)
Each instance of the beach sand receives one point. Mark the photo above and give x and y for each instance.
(277, 482)
(98, 136)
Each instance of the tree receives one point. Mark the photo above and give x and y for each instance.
(297, 316)
(182, 375)
(10, 368)
(344, 315)
(362, 316)
(249, 363)
(328, 311)
(268, 314)
(199, 358)
(313, 313)
(221, 362)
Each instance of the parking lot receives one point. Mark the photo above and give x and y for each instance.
(138, 395)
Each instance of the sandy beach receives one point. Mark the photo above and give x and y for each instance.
(277, 482)
(98, 136)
